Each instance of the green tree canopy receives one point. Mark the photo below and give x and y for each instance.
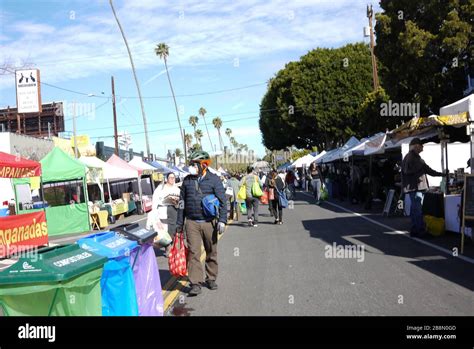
(316, 101)
(426, 48)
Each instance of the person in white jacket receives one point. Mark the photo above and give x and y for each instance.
(164, 213)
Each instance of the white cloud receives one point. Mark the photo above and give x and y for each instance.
(209, 32)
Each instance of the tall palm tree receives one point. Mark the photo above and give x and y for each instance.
(217, 122)
(136, 79)
(178, 153)
(234, 142)
(203, 112)
(228, 133)
(188, 139)
(162, 50)
(193, 121)
(198, 135)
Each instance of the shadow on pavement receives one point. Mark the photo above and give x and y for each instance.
(370, 235)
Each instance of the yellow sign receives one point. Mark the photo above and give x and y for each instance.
(34, 183)
(64, 145)
(453, 120)
(82, 141)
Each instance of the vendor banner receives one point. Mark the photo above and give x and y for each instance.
(22, 232)
(460, 119)
(12, 166)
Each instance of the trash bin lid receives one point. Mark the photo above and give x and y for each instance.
(134, 232)
(108, 244)
(52, 264)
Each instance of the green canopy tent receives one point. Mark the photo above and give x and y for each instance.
(63, 217)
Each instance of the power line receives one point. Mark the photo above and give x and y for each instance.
(147, 97)
(84, 114)
(173, 128)
(202, 93)
(272, 111)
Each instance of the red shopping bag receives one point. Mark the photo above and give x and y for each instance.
(177, 259)
(271, 194)
(264, 198)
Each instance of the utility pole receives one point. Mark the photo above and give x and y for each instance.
(370, 15)
(74, 127)
(115, 118)
(185, 151)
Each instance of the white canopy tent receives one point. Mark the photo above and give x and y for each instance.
(340, 153)
(110, 171)
(141, 165)
(462, 106)
(303, 161)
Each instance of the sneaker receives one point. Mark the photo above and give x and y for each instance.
(280, 222)
(255, 225)
(195, 290)
(211, 284)
(276, 221)
(250, 223)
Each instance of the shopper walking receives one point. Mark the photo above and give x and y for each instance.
(202, 227)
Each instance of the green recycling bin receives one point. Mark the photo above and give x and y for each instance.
(54, 281)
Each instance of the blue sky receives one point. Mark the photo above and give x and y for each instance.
(214, 46)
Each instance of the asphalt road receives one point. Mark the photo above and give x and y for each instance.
(286, 270)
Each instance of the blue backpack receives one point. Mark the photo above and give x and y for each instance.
(210, 206)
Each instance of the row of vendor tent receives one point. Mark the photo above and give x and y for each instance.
(455, 115)
(59, 167)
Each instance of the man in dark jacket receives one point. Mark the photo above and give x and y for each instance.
(201, 229)
(415, 184)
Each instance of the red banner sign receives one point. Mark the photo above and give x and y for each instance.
(22, 232)
(12, 166)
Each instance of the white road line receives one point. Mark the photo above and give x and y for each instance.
(441, 249)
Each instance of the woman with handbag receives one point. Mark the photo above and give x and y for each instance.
(316, 181)
(276, 188)
(253, 189)
(165, 211)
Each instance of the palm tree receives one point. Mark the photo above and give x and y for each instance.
(198, 135)
(193, 121)
(245, 147)
(188, 139)
(228, 133)
(195, 147)
(217, 122)
(178, 153)
(203, 112)
(136, 79)
(234, 142)
(162, 50)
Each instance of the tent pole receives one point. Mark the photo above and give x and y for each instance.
(472, 147)
(447, 167)
(86, 198)
(110, 193)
